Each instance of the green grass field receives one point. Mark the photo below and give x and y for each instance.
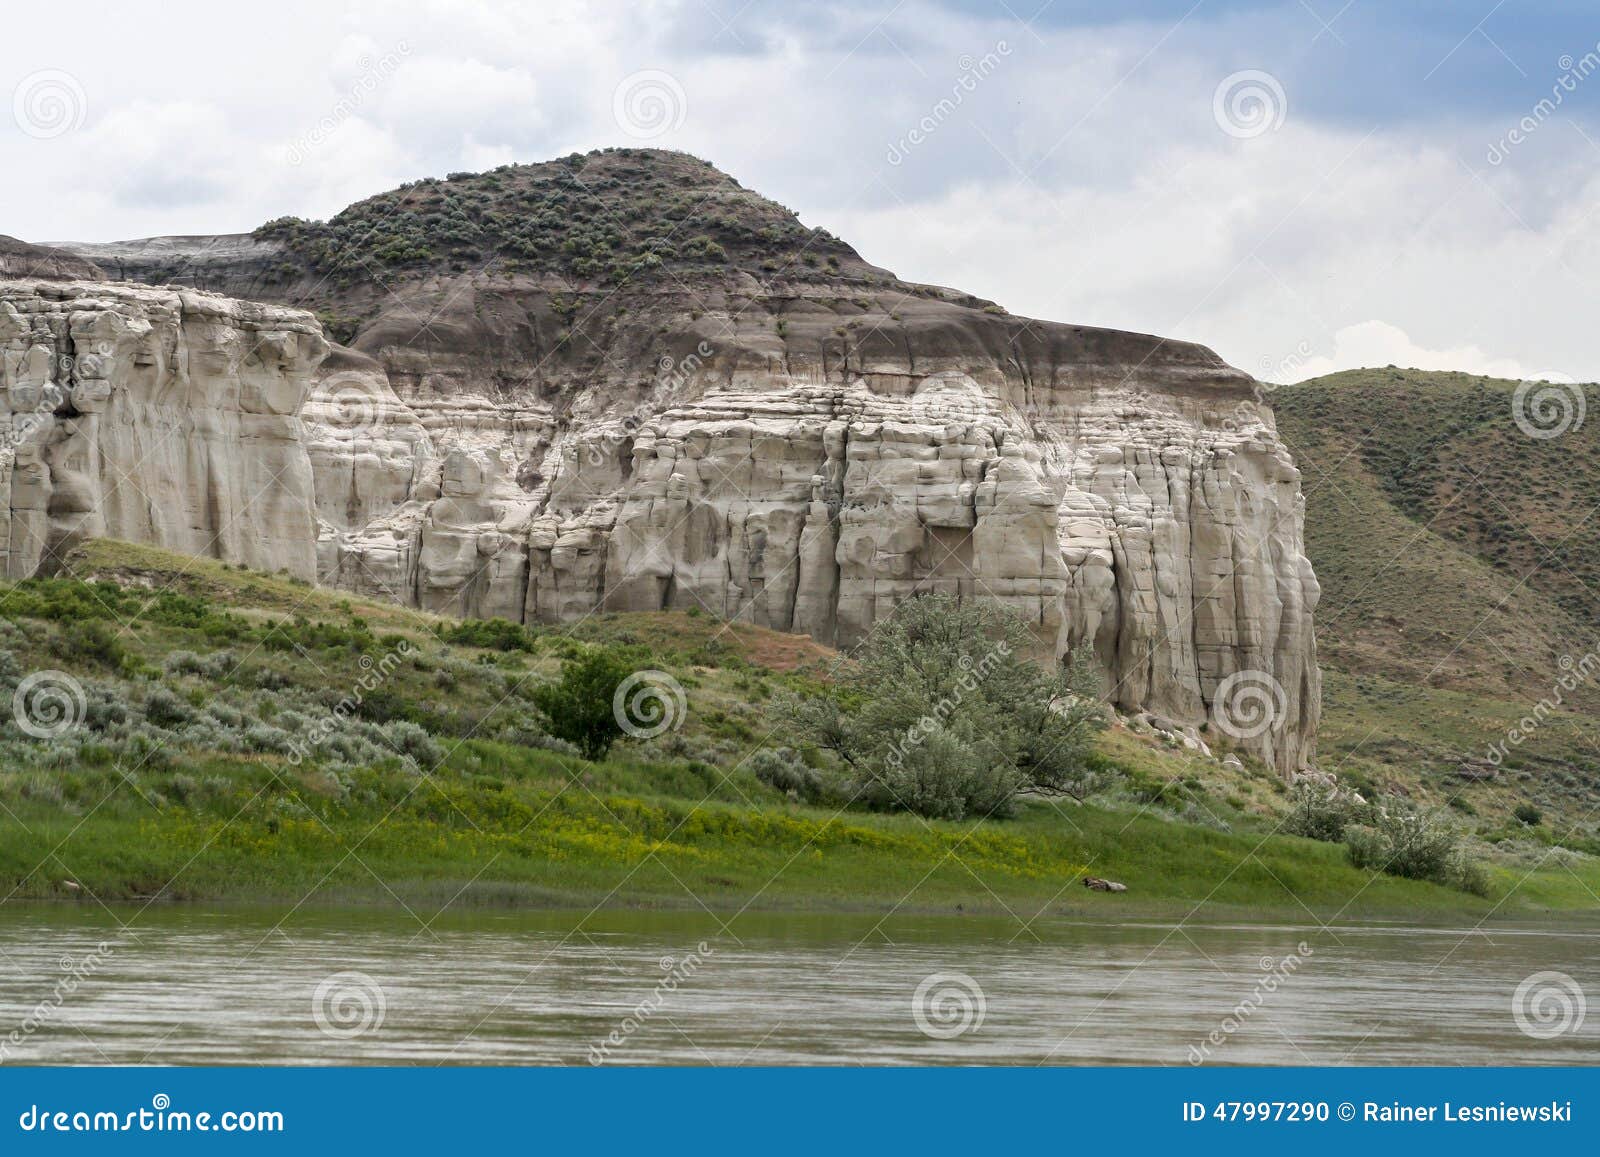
(179, 787)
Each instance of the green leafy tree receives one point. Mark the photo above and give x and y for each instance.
(945, 711)
(578, 707)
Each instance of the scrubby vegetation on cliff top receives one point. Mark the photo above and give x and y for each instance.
(614, 215)
(207, 768)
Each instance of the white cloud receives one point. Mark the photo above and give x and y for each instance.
(1243, 246)
(1379, 344)
(437, 103)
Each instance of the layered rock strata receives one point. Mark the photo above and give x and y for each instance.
(154, 416)
(1122, 493)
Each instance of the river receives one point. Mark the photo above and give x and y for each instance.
(187, 985)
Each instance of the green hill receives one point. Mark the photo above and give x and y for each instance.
(1460, 564)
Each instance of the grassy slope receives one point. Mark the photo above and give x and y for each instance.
(1457, 568)
(673, 822)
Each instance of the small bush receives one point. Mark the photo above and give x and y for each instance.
(410, 740)
(946, 713)
(490, 634)
(1318, 813)
(92, 641)
(215, 666)
(164, 709)
(1402, 840)
(782, 769)
(944, 778)
(268, 679)
(1528, 814)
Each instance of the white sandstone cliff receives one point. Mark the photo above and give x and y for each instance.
(153, 415)
(1149, 511)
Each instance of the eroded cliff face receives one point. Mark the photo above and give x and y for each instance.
(766, 464)
(154, 416)
(622, 381)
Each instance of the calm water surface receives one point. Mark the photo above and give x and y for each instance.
(202, 986)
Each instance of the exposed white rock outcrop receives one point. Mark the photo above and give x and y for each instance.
(159, 416)
(1147, 511)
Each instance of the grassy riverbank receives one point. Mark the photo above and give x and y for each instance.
(514, 836)
(202, 769)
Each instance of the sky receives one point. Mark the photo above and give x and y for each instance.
(1303, 186)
